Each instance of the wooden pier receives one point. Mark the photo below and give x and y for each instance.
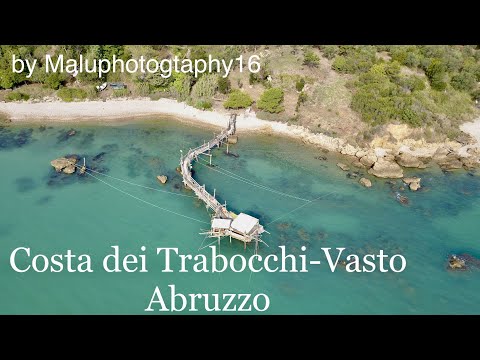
(224, 223)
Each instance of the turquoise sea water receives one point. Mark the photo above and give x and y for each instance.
(51, 213)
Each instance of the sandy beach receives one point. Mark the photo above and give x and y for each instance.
(115, 109)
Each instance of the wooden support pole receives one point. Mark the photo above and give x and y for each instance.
(227, 147)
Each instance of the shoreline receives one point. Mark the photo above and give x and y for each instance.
(381, 159)
(127, 110)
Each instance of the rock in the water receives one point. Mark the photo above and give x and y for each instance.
(450, 162)
(162, 179)
(408, 160)
(456, 263)
(365, 182)
(233, 139)
(369, 159)
(67, 165)
(358, 164)
(386, 169)
(69, 169)
(321, 157)
(71, 133)
(441, 153)
(470, 163)
(413, 183)
(343, 166)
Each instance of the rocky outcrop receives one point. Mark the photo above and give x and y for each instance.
(441, 153)
(369, 159)
(413, 183)
(348, 150)
(365, 182)
(361, 153)
(409, 161)
(343, 166)
(162, 179)
(450, 162)
(65, 165)
(386, 169)
(470, 163)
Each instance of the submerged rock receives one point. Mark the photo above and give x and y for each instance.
(25, 184)
(343, 166)
(321, 157)
(402, 199)
(365, 182)
(353, 175)
(413, 182)
(386, 169)
(99, 156)
(162, 178)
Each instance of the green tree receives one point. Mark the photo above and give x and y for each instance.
(437, 82)
(224, 85)
(300, 84)
(463, 81)
(476, 95)
(436, 74)
(271, 100)
(435, 67)
(54, 80)
(204, 88)
(329, 51)
(341, 65)
(181, 86)
(237, 100)
(310, 59)
(7, 79)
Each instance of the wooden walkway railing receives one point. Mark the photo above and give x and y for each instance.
(220, 210)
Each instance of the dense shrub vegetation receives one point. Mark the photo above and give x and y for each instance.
(71, 94)
(271, 100)
(16, 96)
(418, 85)
(237, 100)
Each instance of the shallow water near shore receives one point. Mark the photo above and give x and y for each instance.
(51, 213)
